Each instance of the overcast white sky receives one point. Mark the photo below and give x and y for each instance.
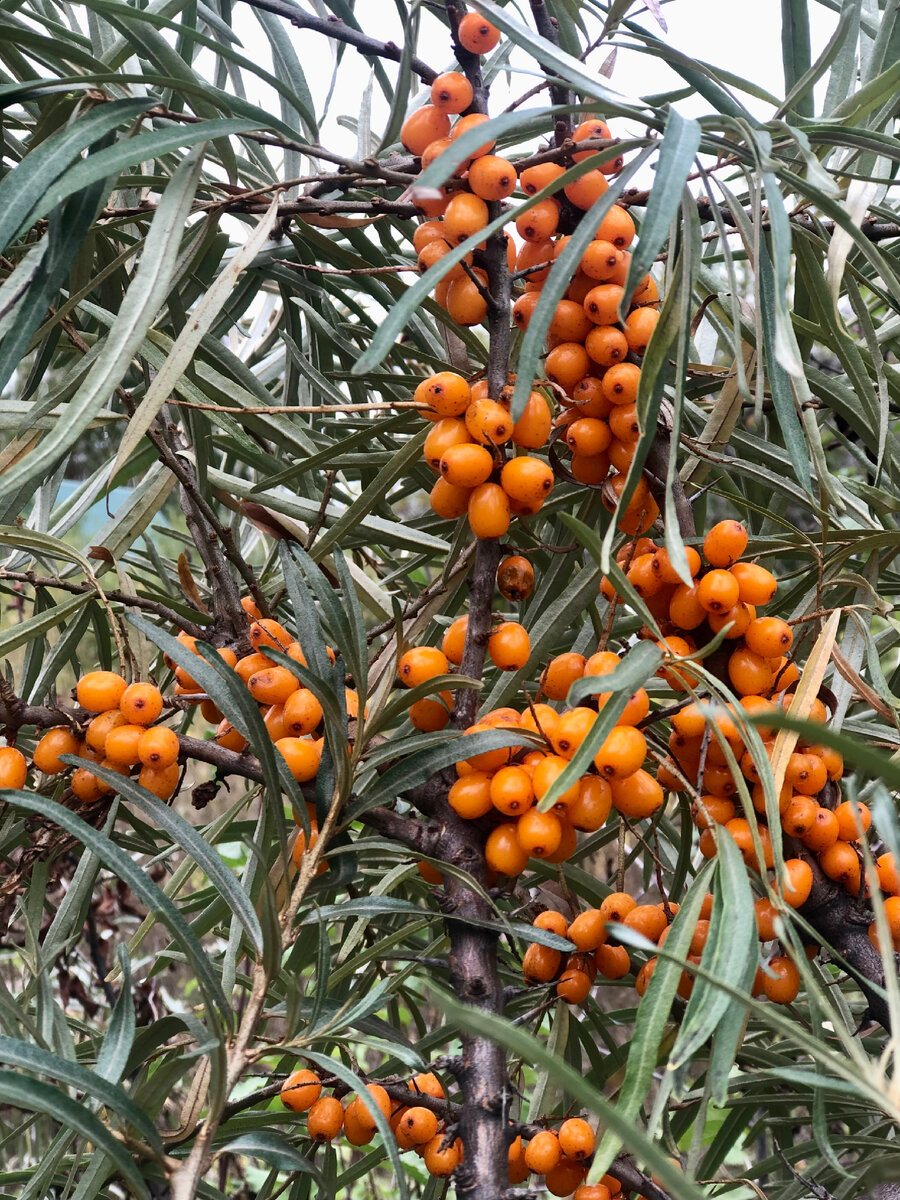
(738, 36)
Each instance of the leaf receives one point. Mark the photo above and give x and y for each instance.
(652, 1017)
(533, 1051)
(680, 142)
(119, 1036)
(201, 322)
(33, 1058)
(136, 878)
(41, 623)
(21, 190)
(272, 1148)
(731, 944)
(204, 855)
(148, 288)
(34, 1096)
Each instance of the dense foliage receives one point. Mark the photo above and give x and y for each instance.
(329, 865)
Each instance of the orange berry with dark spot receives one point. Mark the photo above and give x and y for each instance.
(488, 422)
(99, 691)
(526, 479)
(602, 303)
(588, 436)
(535, 179)
(416, 1127)
(756, 585)
(540, 834)
(622, 753)
(269, 634)
(539, 222)
(725, 543)
(617, 227)
(158, 747)
(325, 1119)
(451, 92)
(840, 862)
(492, 177)
(824, 832)
(576, 1139)
(476, 34)
(420, 664)
(301, 1090)
(718, 591)
(446, 392)
(273, 685)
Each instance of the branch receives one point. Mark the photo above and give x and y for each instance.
(333, 27)
(154, 606)
(548, 28)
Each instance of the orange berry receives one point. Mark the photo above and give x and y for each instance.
(251, 663)
(756, 585)
(612, 961)
(325, 1119)
(533, 428)
(492, 177)
(540, 834)
(570, 322)
(588, 930)
(470, 795)
(532, 258)
(302, 712)
(718, 591)
(565, 1177)
(420, 664)
(447, 393)
(503, 852)
(824, 832)
(602, 303)
(141, 703)
(13, 767)
(55, 742)
(526, 479)
(488, 511)
(576, 1139)
(464, 124)
(573, 728)
(547, 771)
(301, 756)
(535, 179)
(797, 882)
(158, 747)
(588, 436)
(85, 785)
(416, 1127)
(100, 728)
(637, 796)
(685, 609)
(840, 862)
(853, 820)
(161, 781)
(466, 215)
(622, 753)
(445, 433)
(647, 919)
(749, 673)
(587, 190)
(515, 578)
(467, 465)
(769, 637)
(451, 92)
(423, 127)
(429, 715)
(300, 1091)
(589, 811)
(99, 691)
(543, 1152)
(268, 634)
(888, 875)
(466, 303)
(453, 643)
(541, 964)
(561, 673)
(476, 34)
(785, 985)
(617, 227)
(448, 501)
(539, 222)
(735, 621)
(566, 364)
(725, 543)
(488, 422)
(511, 791)
(272, 685)
(639, 326)
(641, 510)
(428, 231)
(441, 1160)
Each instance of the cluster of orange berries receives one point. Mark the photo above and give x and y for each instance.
(561, 1156)
(415, 1126)
(465, 449)
(597, 951)
(121, 734)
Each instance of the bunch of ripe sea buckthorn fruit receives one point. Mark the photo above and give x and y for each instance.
(561, 1155)
(586, 365)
